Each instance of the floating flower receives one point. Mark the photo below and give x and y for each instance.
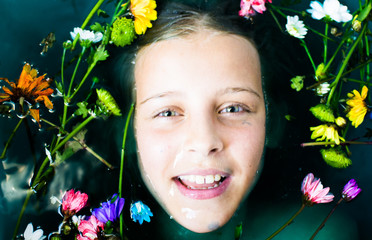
(351, 190)
(323, 112)
(90, 229)
(313, 191)
(110, 210)
(335, 157)
(357, 106)
(29, 233)
(73, 202)
(144, 12)
(107, 103)
(327, 132)
(29, 88)
(140, 211)
(295, 27)
(297, 83)
(86, 36)
(249, 8)
(322, 89)
(122, 32)
(330, 8)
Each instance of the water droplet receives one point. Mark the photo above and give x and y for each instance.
(170, 217)
(51, 110)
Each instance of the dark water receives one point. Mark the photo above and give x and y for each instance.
(277, 194)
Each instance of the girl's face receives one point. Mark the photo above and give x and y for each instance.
(200, 125)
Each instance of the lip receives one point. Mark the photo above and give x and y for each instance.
(203, 194)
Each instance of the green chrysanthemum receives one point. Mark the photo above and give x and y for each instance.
(297, 83)
(122, 32)
(323, 113)
(335, 157)
(107, 102)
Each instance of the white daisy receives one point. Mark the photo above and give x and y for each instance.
(330, 8)
(86, 35)
(295, 27)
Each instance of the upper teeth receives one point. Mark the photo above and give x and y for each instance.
(199, 179)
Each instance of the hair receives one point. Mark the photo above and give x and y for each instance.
(180, 21)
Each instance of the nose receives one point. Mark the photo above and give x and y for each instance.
(203, 135)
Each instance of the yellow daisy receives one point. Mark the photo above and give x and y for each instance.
(357, 106)
(143, 12)
(327, 132)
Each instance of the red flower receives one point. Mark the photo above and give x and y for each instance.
(90, 229)
(72, 202)
(249, 8)
(313, 191)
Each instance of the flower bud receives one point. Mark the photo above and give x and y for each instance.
(67, 44)
(323, 112)
(340, 121)
(320, 72)
(107, 103)
(356, 25)
(335, 157)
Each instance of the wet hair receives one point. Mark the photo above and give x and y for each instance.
(179, 21)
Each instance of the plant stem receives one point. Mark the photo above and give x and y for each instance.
(11, 138)
(325, 42)
(62, 143)
(344, 64)
(325, 220)
(308, 54)
(86, 147)
(310, 144)
(287, 223)
(122, 164)
(28, 196)
(90, 68)
(62, 70)
(75, 71)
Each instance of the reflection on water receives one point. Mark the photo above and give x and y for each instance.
(275, 198)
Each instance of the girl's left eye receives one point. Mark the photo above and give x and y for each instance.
(233, 109)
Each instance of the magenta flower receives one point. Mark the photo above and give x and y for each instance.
(350, 191)
(313, 191)
(90, 229)
(249, 8)
(73, 202)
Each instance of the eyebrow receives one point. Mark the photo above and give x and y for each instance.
(224, 91)
(239, 89)
(160, 95)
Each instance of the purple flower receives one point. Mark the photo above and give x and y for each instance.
(351, 190)
(110, 210)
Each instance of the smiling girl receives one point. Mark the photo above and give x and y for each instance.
(199, 117)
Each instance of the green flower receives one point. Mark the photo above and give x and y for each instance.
(323, 113)
(107, 104)
(335, 157)
(297, 83)
(122, 32)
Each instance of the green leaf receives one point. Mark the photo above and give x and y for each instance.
(82, 109)
(96, 27)
(238, 231)
(100, 55)
(102, 13)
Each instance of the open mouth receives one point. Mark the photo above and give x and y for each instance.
(202, 186)
(201, 182)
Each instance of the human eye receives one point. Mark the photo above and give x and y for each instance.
(167, 113)
(234, 109)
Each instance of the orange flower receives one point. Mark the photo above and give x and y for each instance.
(29, 88)
(143, 12)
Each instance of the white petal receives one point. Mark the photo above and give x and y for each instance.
(38, 235)
(29, 231)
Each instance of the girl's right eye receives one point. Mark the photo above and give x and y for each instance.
(167, 113)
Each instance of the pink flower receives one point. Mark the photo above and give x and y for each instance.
(248, 8)
(72, 202)
(313, 191)
(90, 228)
(351, 190)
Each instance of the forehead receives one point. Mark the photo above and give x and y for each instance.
(208, 54)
